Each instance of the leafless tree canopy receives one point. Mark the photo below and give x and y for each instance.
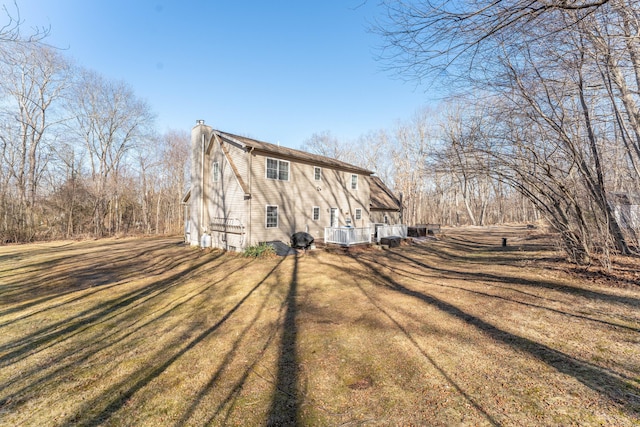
(426, 38)
(547, 103)
(544, 124)
(78, 153)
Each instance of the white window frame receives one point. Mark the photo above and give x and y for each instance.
(266, 216)
(358, 213)
(315, 213)
(317, 173)
(354, 183)
(278, 169)
(215, 171)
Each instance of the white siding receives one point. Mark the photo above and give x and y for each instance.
(225, 198)
(296, 198)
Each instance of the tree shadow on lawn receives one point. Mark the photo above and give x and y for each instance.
(94, 344)
(596, 378)
(228, 401)
(497, 281)
(431, 360)
(572, 290)
(65, 329)
(76, 269)
(451, 248)
(285, 405)
(117, 395)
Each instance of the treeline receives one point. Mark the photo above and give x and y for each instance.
(542, 121)
(79, 154)
(417, 161)
(548, 105)
(544, 124)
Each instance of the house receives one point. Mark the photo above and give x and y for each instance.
(385, 207)
(244, 191)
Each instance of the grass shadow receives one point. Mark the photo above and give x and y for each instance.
(285, 405)
(67, 328)
(118, 394)
(555, 286)
(598, 379)
(479, 277)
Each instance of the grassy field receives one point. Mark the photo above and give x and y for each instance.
(455, 331)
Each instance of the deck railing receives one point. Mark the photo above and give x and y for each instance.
(348, 236)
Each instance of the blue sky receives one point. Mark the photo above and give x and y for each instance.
(277, 71)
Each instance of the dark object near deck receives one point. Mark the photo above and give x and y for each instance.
(391, 241)
(422, 230)
(417, 231)
(301, 240)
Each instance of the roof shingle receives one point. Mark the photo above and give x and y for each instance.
(290, 153)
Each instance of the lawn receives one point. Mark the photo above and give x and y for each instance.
(454, 331)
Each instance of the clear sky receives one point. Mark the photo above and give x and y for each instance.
(273, 70)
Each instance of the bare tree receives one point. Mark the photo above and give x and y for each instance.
(411, 152)
(110, 122)
(32, 83)
(326, 144)
(11, 30)
(175, 173)
(558, 75)
(449, 37)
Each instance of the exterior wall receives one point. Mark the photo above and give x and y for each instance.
(296, 198)
(377, 216)
(217, 208)
(225, 204)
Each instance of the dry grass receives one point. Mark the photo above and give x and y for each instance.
(458, 331)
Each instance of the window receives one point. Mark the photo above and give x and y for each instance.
(317, 173)
(216, 171)
(316, 213)
(278, 169)
(272, 217)
(354, 182)
(358, 213)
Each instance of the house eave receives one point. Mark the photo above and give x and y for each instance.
(285, 153)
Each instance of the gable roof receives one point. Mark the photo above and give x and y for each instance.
(382, 198)
(290, 153)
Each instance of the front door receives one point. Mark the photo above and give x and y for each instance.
(334, 217)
